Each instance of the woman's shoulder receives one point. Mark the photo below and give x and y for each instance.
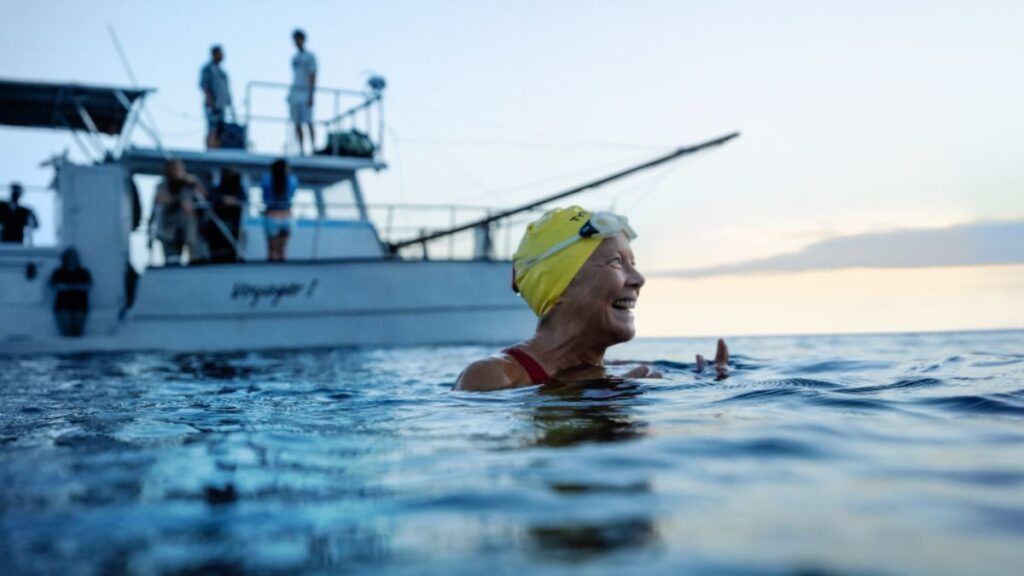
(493, 373)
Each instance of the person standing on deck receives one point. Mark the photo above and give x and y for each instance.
(278, 190)
(222, 230)
(213, 81)
(300, 97)
(14, 218)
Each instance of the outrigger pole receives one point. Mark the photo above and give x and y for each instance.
(394, 247)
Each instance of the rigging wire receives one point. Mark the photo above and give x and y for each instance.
(452, 162)
(654, 185)
(573, 174)
(135, 84)
(456, 142)
(188, 116)
(497, 125)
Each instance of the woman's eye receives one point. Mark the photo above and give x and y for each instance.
(615, 260)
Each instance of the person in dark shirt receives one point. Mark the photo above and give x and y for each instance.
(227, 200)
(71, 303)
(14, 218)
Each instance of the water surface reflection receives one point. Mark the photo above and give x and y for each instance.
(574, 415)
(591, 411)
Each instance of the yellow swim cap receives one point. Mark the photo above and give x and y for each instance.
(555, 247)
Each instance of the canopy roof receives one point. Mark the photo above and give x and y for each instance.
(66, 106)
(310, 170)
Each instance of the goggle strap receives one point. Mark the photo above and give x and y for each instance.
(529, 262)
(588, 230)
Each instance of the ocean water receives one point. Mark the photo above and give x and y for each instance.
(891, 454)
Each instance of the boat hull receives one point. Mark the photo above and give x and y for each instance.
(293, 305)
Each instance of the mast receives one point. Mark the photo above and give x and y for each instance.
(394, 247)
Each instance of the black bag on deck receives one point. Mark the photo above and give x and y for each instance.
(232, 134)
(351, 143)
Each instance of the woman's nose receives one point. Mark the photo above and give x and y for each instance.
(635, 277)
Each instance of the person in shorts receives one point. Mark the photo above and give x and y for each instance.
(300, 97)
(278, 190)
(213, 81)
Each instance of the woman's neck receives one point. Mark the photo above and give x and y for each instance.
(560, 346)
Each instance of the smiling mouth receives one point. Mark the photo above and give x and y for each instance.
(624, 304)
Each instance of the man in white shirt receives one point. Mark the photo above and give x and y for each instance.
(300, 98)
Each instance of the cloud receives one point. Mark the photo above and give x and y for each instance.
(973, 244)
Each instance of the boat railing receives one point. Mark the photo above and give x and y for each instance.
(353, 113)
(398, 222)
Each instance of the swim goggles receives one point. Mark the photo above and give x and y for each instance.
(600, 224)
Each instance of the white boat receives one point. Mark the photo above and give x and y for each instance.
(341, 286)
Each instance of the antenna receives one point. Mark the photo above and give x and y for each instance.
(121, 54)
(154, 132)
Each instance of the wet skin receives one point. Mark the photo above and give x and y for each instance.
(595, 312)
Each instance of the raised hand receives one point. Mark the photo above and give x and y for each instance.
(643, 371)
(721, 361)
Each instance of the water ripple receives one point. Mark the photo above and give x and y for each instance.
(885, 454)
(901, 384)
(980, 405)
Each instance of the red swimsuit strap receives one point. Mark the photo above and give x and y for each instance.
(533, 368)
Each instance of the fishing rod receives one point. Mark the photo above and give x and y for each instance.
(394, 247)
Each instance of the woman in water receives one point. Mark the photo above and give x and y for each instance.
(278, 189)
(576, 270)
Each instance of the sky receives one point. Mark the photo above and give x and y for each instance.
(875, 186)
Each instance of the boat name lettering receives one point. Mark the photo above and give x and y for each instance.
(255, 293)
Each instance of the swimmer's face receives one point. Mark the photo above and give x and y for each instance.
(605, 291)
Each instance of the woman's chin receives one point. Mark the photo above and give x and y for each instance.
(621, 324)
(622, 331)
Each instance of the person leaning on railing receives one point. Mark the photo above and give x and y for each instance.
(175, 218)
(576, 271)
(223, 228)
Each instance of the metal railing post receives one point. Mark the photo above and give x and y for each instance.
(387, 229)
(451, 239)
